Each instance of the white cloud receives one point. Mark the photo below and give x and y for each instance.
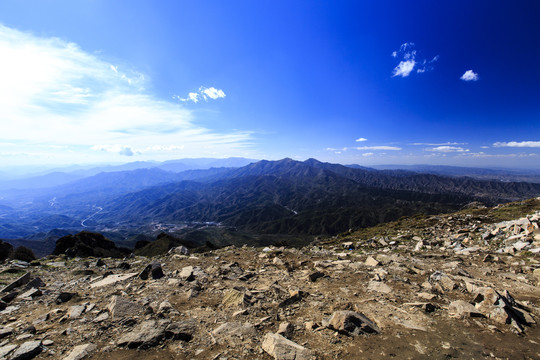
(378, 148)
(521, 144)
(54, 93)
(404, 68)
(204, 93)
(368, 154)
(446, 148)
(469, 75)
(438, 144)
(410, 61)
(482, 154)
(361, 139)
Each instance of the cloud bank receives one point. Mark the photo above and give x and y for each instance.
(53, 93)
(518, 144)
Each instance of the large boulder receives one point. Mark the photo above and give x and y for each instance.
(282, 348)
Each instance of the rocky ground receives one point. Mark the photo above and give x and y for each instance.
(463, 285)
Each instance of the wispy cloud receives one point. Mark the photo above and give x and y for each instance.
(447, 149)
(361, 139)
(379, 147)
(54, 93)
(482, 154)
(203, 93)
(392, 148)
(518, 144)
(410, 61)
(437, 144)
(469, 75)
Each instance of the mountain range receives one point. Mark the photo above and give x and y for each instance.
(287, 197)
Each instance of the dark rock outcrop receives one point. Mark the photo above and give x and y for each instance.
(86, 244)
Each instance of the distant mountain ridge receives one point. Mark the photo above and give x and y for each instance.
(288, 196)
(270, 197)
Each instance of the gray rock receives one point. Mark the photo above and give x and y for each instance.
(182, 330)
(187, 273)
(5, 331)
(144, 336)
(27, 350)
(154, 270)
(284, 349)
(378, 286)
(101, 317)
(370, 261)
(35, 283)
(112, 279)
(6, 349)
(462, 309)
(351, 323)
(122, 308)
(444, 280)
(64, 297)
(17, 283)
(233, 298)
(285, 329)
(180, 250)
(31, 293)
(234, 329)
(81, 351)
(76, 311)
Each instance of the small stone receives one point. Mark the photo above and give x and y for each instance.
(64, 297)
(315, 275)
(187, 273)
(234, 298)
(76, 311)
(102, 317)
(370, 261)
(31, 293)
(427, 296)
(286, 329)
(81, 351)
(112, 279)
(154, 270)
(5, 331)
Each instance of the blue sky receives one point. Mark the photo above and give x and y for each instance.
(366, 82)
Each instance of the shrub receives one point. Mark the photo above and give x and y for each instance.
(23, 253)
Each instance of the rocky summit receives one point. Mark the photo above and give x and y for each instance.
(463, 285)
